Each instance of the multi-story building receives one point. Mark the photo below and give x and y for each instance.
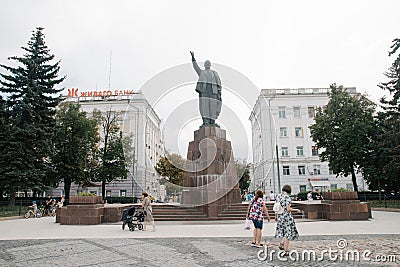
(138, 121)
(283, 150)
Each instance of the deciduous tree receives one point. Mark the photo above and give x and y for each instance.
(344, 129)
(75, 144)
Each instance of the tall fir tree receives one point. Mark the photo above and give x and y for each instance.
(31, 99)
(388, 140)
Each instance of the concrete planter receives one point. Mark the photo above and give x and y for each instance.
(340, 195)
(85, 200)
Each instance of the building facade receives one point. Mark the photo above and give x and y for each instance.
(283, 150)
(139, 122)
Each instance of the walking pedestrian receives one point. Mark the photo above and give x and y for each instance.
(286, 227)
(255, 211)
(146, 204)
(272, 196)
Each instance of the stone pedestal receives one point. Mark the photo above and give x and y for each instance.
(210, 178)
(344, 206)
(337, 206)
(86, 210)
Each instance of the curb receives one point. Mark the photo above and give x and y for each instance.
(11, 218)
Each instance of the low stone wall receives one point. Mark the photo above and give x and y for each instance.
(89, 211)
(337, 206)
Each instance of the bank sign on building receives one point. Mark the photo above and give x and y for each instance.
(142, 124)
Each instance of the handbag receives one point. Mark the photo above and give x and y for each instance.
(277, 208)
(247, 224)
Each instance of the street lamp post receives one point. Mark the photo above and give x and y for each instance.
(135, 152)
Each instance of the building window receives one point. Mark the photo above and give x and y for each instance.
(333, 186)
(302, 170)
(349, 187)
(286, 170)
(331, 172)
(296, 112)
(282, 112)
(108, 193)
(298, 131)
(303, 188)
(314, 151)
(311, 112)
(122, 193)
(300, 151)
(283, 131)
(317, 169)
(285, 151)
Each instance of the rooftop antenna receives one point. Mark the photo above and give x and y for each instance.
(109, 74)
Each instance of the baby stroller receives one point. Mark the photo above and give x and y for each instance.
(133, 217)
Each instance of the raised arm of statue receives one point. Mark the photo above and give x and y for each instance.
(195, 65)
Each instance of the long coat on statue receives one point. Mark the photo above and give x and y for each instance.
(209, 89)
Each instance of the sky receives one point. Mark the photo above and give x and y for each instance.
(274, 44)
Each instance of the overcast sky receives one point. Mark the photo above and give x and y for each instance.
(276, 44)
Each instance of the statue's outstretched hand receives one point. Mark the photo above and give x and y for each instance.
(192, 53)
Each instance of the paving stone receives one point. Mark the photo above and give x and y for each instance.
(185, 251)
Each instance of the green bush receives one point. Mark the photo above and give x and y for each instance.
(340, 190)
(86, 194)
(122, 200)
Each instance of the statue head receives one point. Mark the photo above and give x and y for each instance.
(207, 64)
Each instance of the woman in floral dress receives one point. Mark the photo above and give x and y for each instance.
(286, 227)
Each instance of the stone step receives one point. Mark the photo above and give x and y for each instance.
(231, 212)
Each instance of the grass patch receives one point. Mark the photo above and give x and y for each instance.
(8, 211)
(394, 204)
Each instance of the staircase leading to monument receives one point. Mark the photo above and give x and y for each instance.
(238, 212)
(232, 212)
(177, 213)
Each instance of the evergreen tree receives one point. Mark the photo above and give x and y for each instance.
(388, 140)
(75, 142)
(111, 159)
(31, 98)
(3, 146)
(344, 129)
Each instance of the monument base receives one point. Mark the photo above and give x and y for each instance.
(337, 206)
(210, 178)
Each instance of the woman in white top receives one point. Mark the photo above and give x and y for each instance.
(146, 204)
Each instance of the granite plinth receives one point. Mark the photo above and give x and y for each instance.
(337, 207)
(210, 178)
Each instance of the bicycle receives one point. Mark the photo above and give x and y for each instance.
(31, 213)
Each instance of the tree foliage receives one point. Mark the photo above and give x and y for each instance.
(171, 168)
(29, 109)
(344, 129)
(75, 144)
(383, 170)
(111, 158)
(243, 172)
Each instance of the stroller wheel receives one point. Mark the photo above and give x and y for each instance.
(132, 228)
(140, 226)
